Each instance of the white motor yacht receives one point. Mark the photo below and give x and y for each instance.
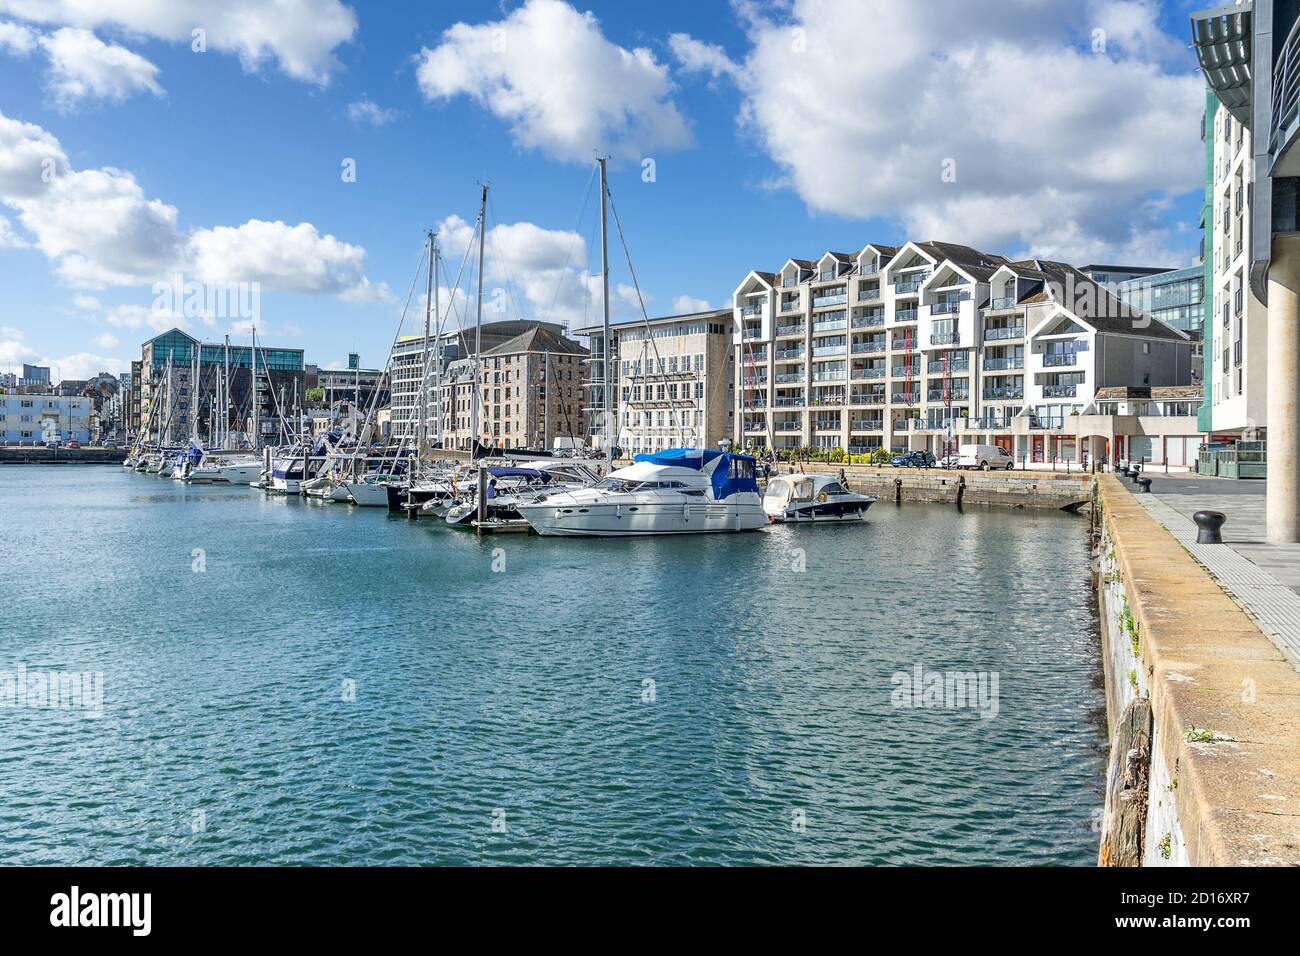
(796, 498)
(675, 491)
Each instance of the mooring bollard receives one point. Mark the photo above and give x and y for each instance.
(1208, 526)
(1144, 486)
(898, 490)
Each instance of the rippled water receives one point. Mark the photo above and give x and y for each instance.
(516, 696)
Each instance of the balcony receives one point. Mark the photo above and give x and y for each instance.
(908, 286)
(789, 355)
(945, 308)
(749, 311)
(944, 338)
(905, 398)
(829, 351)
(868, 295)
(1046, 422)
(873, 321)
(905, 371)
(999, 393)
(905, 315)
(831, 325)
(1059, 359)
(1004, 363)
(1236, 352)
(1004, 332)
(755, 357)
(1060, 391)
(838, 298)
(826, 426)
(788, 402)
(752, 334)
(1002, 303)
(937, 367)
(868, 373)
(868, 348)
(791, 330)
(867, 398)
(867, 425)
(955, 395)
(788, 425)
(795, 378)
(791, 305)
(988, 423)
(836, 376)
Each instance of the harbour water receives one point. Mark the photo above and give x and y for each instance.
(287, 681)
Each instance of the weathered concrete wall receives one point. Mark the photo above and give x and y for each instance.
(1006, 489)
(1225, 758)
(19, 455)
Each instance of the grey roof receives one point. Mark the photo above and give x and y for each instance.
(537, 339)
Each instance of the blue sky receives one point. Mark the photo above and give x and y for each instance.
(1065, 128)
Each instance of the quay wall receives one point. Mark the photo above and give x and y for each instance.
(1223, 787)
(1006, 489)
(61, 456)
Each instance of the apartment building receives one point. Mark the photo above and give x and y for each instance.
(191, 402)
(1236, 323)
(530, 392)
(675, 380)
(364, 387)
(408, 361)
(935, 344)
(34, 419)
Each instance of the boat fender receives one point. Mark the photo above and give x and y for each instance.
(822, 497)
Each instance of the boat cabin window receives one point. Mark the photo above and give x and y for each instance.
(833, 488)
(742, 468)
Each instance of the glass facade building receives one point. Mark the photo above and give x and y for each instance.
(1176, 297)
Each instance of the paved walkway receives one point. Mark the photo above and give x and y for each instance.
(1264, 579)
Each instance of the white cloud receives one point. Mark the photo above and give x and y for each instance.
(365, 110)
(99, 229)
(685, 304)
(299, 35)
(107, 340)
(289, 258)
(695, 56)
(16, 38)
(549, 72)
(86, 303)
(82, 66)
(80, 365)
(10, 239)
(1055, 149)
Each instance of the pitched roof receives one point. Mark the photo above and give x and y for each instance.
(537, 339)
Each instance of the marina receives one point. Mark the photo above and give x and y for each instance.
(326, 684)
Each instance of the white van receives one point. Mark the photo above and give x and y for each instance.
(984, 457)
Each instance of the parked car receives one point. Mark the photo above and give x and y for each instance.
(72, 443)
(950, 461)
(985, 457)
(110, 443)
(913, 459)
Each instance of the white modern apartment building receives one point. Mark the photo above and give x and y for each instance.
(675, 380)
(935, 344)
(1236, 324)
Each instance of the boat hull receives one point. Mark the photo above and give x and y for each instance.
(620, 520)
(816, 512)
(367, 495)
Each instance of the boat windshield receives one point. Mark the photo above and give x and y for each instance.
(625, 486)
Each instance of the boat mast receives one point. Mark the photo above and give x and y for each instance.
(421, 446)
(604, 281)
(478, 324)
(257, 431)
(225, 399)
(437, 338)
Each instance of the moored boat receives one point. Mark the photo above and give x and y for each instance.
(800, 498)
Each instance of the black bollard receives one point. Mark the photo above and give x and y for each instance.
(1144, 486)
(1208, 525)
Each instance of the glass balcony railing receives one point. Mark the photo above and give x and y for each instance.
(788, 425)
(872, 321)
(1004, 332)
(1003, 302)
(786, 401)
(868, 348)
(753, 358)
(905, 315)
(867, 425)
(956, 395)
(790, 305)
(868, 295)
(791, 329)
(988, 422)
(751, 310)
(834, 376)
(826, 351)
(945, 308)
(944, 338)
(905, 398)
(868, 373)
(998, 393)
(789, 355)
(908, 286)
(1045, 422)
(1005, 362)
(832, 325)
(838, 298)
(1060, 391)
(789, 378)
(905, 371)
(753, 333)
(868, 398)
(1058, 359)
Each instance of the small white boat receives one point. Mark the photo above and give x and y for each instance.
(675, 491)
(798, 498)
(371, 491)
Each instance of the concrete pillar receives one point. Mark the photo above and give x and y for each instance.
(1283, 504)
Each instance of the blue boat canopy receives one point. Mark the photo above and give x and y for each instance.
(732, 474)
